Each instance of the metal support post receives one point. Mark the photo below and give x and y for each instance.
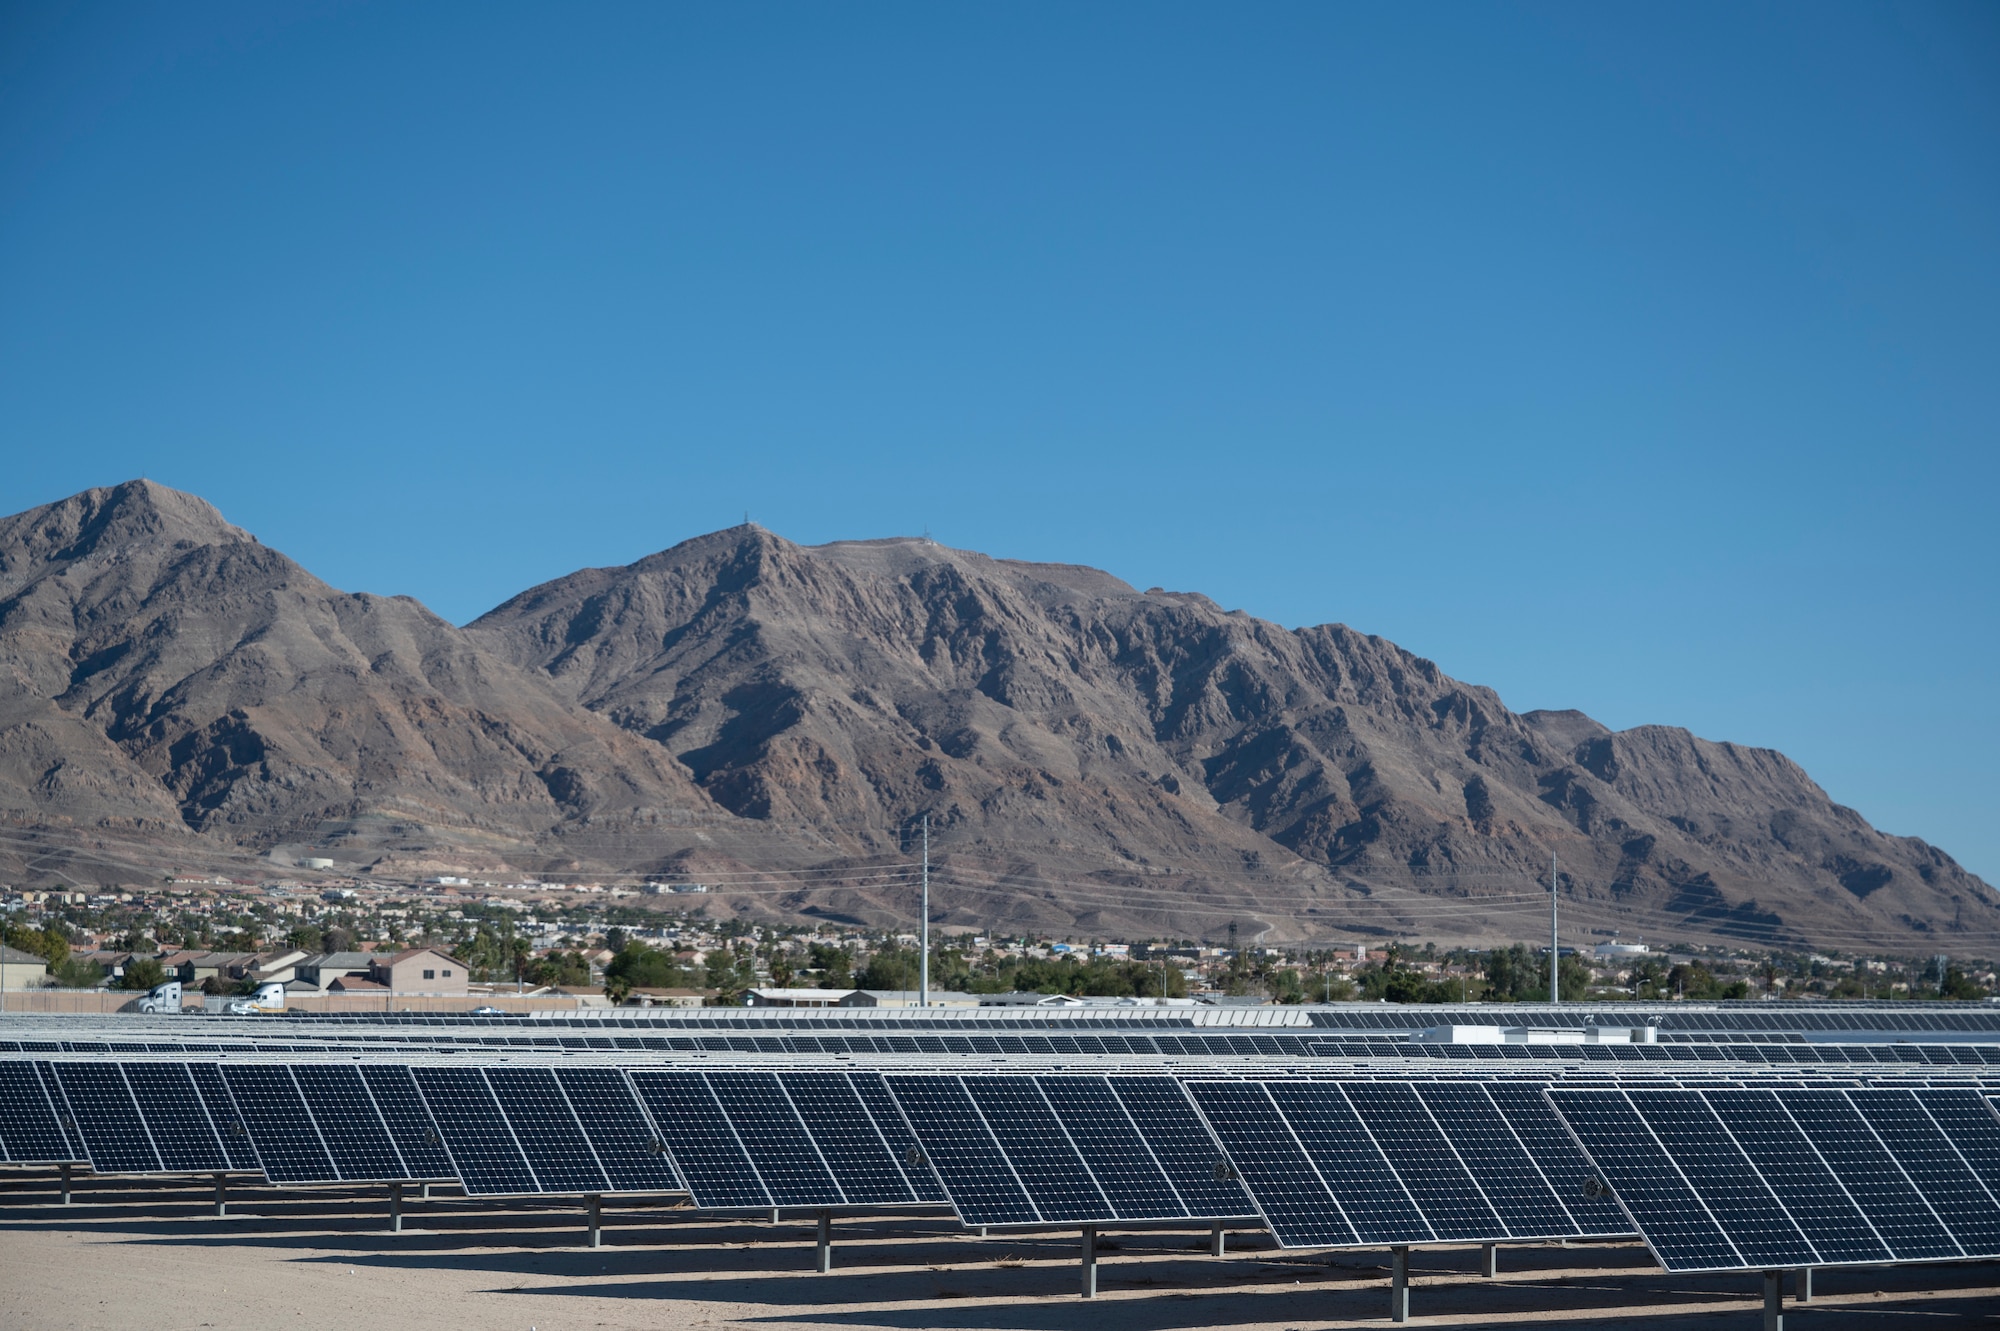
(221, 1194)
(65, 1185)
(596, 1205)
(1774, 1304)
(825, 1263)
(395, 1208)
(1399, 1284)
(1489, 1260)
(425, 1195)
(1090, 1261)
(774, 1215)
(982, 1231)
(1218, 1241)
(1802, 1285)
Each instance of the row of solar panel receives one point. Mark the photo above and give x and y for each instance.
(1763, 1179)
(731, 1140)
(1941, 1055)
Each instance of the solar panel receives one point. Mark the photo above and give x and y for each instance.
(1801, 1177)
(849, 1141)
(408, 1121)
(956, 1144)
(107, 1118)
(1119, 1160)
(1542, 1134)
(483, 1149)
(547, 1131)
(633, 1156)
(274, 1115)
(1260, 1149)
(1182, 1146)
(1424, 1161)
(1041, 1154)
(230, 1129)
(1374, 1200)
(874, 1095)
(345, 1115)
(1662, 1204)
(175, 1118)
(705, 1149)
(1524, 1198)
(30, 1128)
(775, 1138)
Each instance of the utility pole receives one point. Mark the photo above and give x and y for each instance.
(1555, 947)
(924, 932)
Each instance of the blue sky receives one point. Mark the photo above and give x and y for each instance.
(1642, 359)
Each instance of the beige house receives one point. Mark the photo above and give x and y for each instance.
(22, 970)
(420, 970)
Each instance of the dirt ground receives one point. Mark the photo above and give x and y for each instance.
(147, 1258)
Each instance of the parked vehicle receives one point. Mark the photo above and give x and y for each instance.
(162, 998)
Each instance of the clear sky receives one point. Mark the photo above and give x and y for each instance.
(1637, 358)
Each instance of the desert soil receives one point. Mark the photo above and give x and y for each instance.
(157, 1258)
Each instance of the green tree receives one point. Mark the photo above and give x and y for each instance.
(76, 973)
(143, 973)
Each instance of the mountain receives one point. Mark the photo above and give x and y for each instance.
(165, 675)
(1108, 757)
(781, 719)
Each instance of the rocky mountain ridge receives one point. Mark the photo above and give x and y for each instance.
(1090, 757)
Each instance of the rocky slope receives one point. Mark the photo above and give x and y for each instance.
(1131, 757)
(162, 673)
(779, 718)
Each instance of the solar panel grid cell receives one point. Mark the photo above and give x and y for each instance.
(1963, 1203)
(547, 1131)
(1043, 1158)
(1729, 1185)
(956, 1141)
(408, 1121)
(483, 1150)
(874, 1095)
(1118, 1157)
(704, 1147)
(30, 1132)
(273, 1112)
(847, 1138)
(633, 1155)
(345, 1115)
(776, 1139)
(1788, 1162)
(1524, 1199)
(1449, 1197)
(237, 1147)
(107, 1118)
(1555, 1153)
(1276, 1172)
(1373, 1199)
(1675, 1223)
(175, 1118)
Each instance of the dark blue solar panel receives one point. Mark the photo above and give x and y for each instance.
(274, 1114)
(1039, 1150)
(1273, 1167)
(175, 1118)
(1555, 1153)
(1789, 1164)
(107, 1118)
(1373, 1199)
(1178, 1139)
(633, 1154)
(229, 1126)
(476, 1134)
(1961, 1201)
(345, 1115)
(1478, 1132)
(1676, 1226)
(1450, 1200)
(705, 1148)
(403, 1113)
(29, 1131)
(1112, 1148)
(1736, 1196)
(956, 1143)
(779, 1147)
(847, 1138)
(881, 1106)
(547, 1130)
(1871, 1176)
